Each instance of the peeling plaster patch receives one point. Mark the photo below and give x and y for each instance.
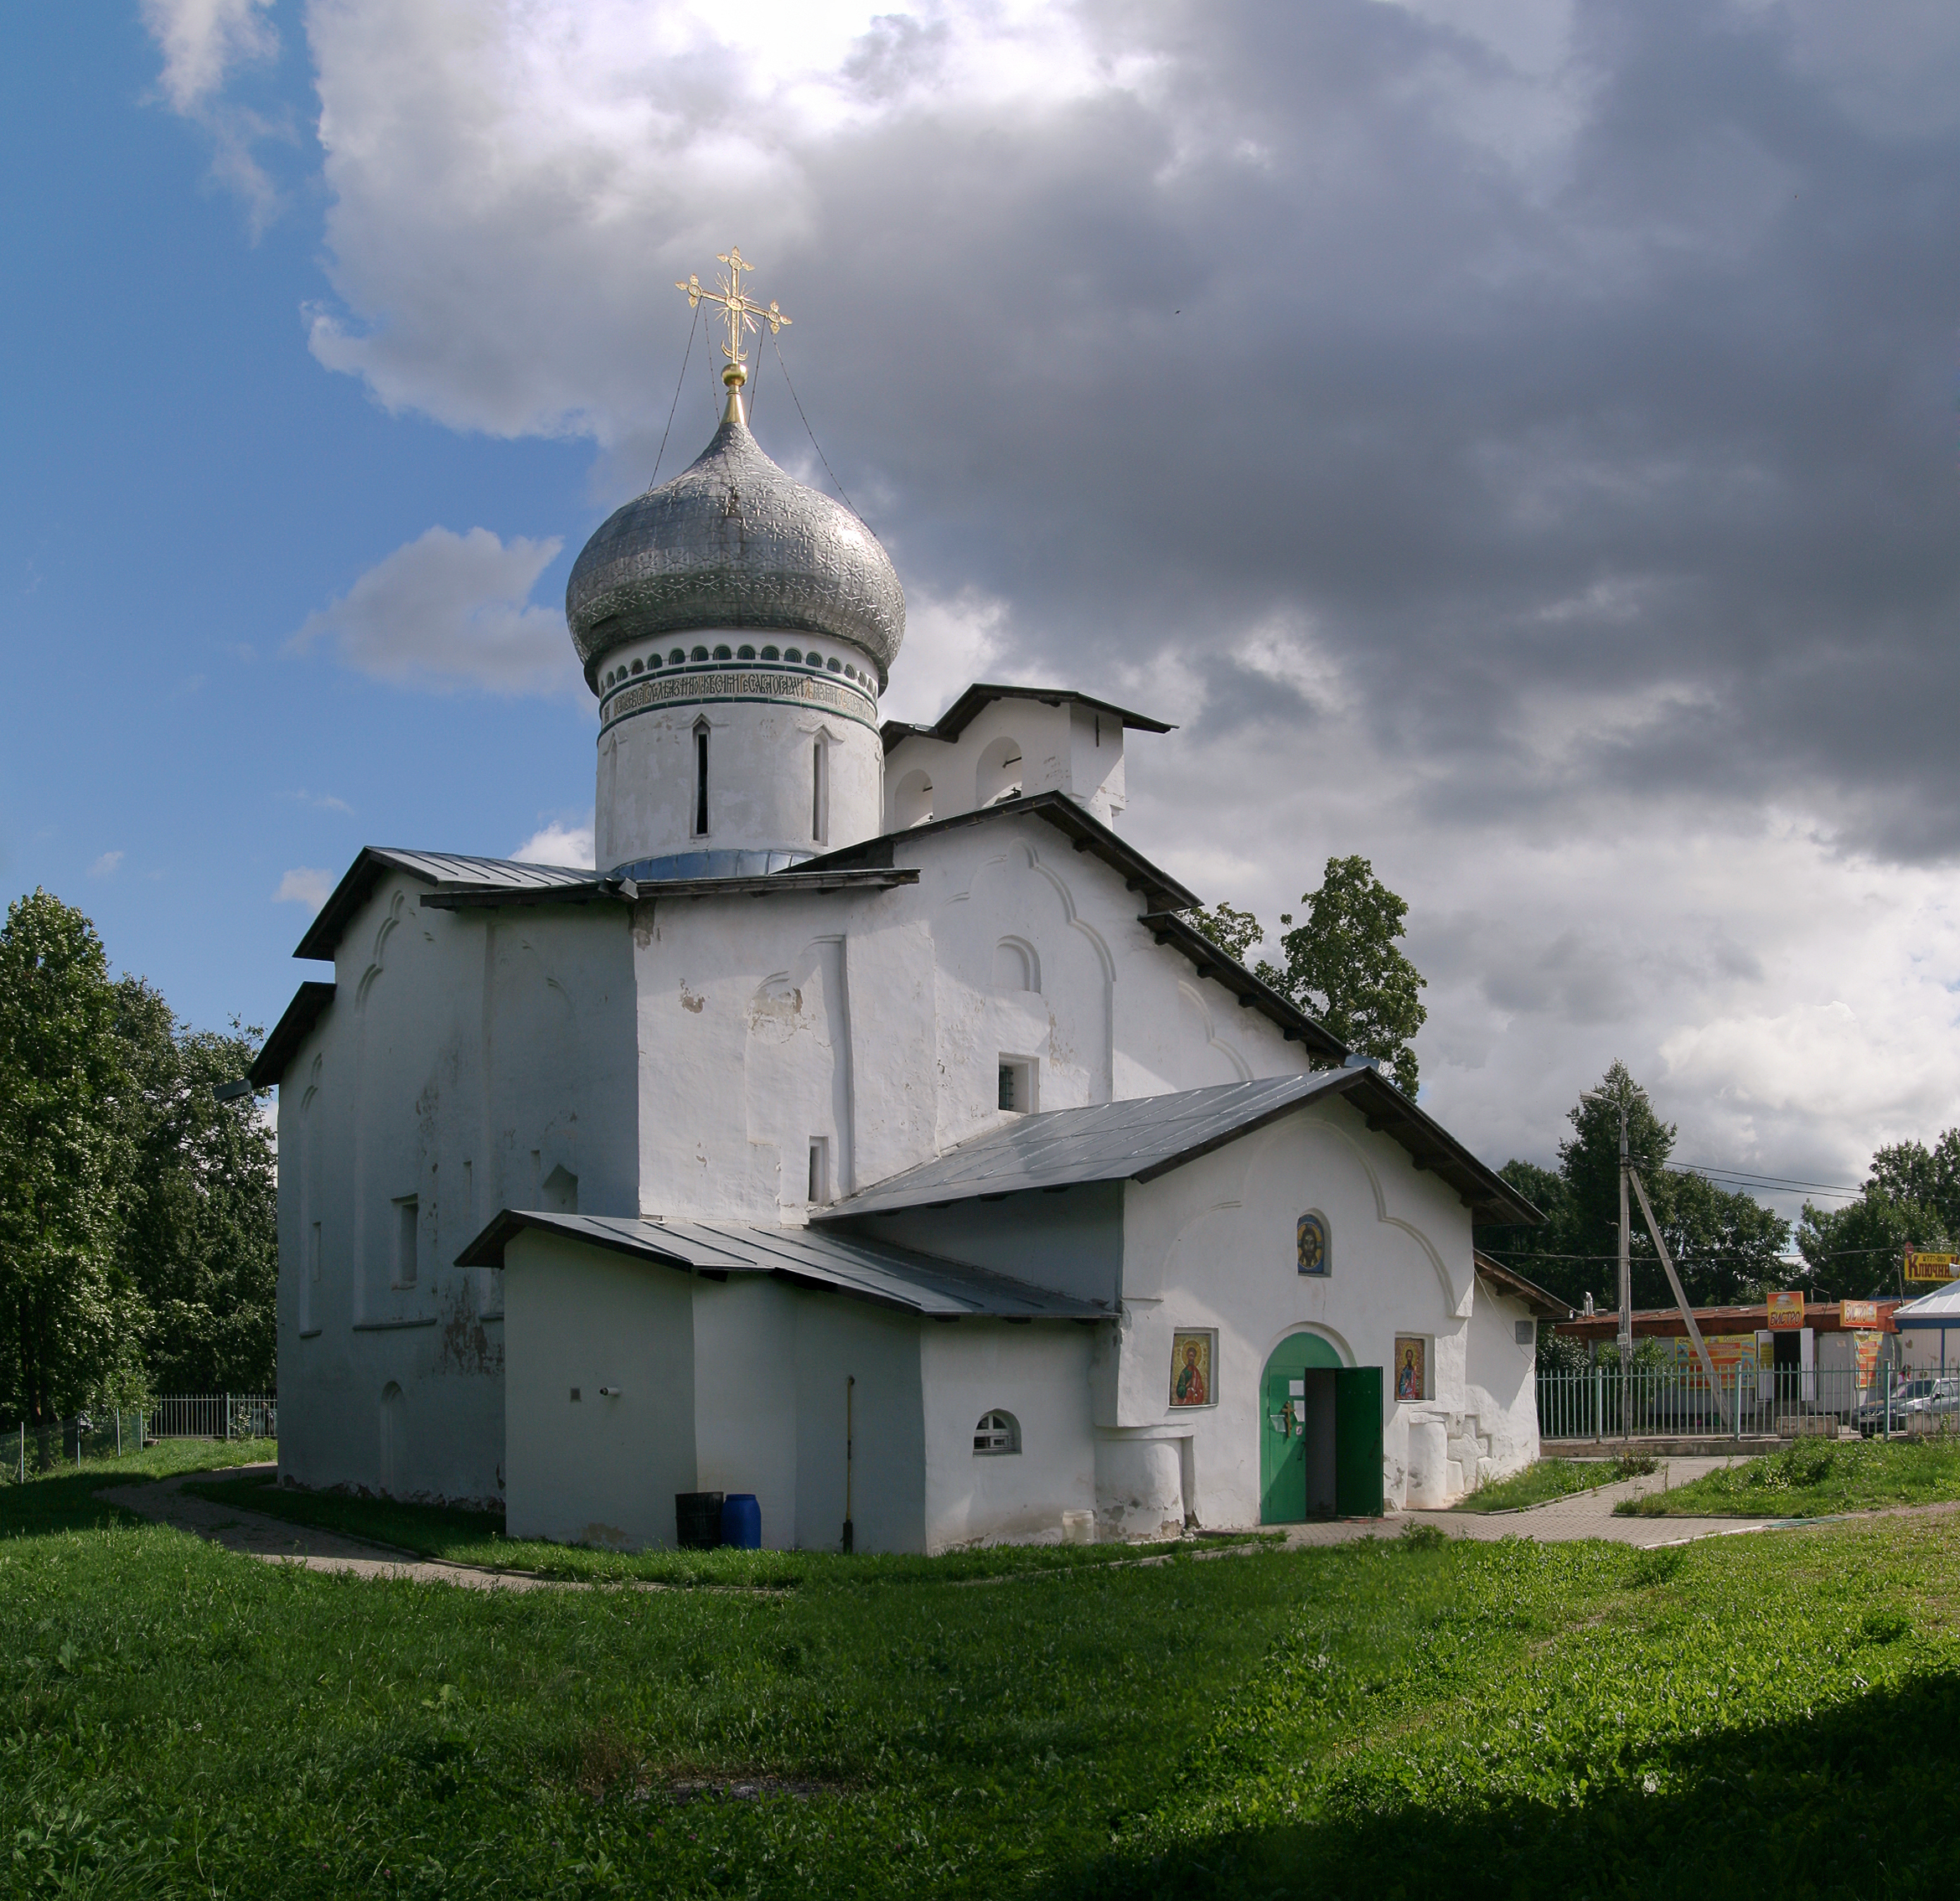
(689, 1000)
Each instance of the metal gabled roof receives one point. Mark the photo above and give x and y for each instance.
(309, 1002)
(1161, 891)
(1146, 1136)
(842, 1264)
(433, 868)
(1210, 960)
(961, 714)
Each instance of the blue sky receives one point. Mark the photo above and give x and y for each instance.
(1512, 439)
(186, 485)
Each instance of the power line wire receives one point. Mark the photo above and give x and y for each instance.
(812, 433)
(676, 404)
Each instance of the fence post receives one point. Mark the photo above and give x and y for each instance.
(227, 1418)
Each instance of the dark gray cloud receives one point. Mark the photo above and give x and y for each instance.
(1520, 445)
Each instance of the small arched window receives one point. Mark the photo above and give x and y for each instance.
(912, 803)
(701, 778)
(999, 774)
(996, 1432)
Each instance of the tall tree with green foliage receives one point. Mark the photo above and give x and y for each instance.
(1727, 1247)
(137, 1213)
(1910, 1200)
(1344, 964)
(69, 1317)
(198, 1233)
(1236, 933)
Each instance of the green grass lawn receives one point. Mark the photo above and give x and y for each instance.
(477, 1538)
(1398, 1717)
(1815, 1478)
(1549, 1478)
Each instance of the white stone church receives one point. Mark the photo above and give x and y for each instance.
(872, 1133)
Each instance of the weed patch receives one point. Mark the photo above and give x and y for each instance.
(1815, 1479)
(1550, 1479)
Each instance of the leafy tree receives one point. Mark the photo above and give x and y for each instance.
(1910, 1199)
(1345, 965)
(138, 1213)
(1725, 1246)
(68, 1317)
(1235, 933)
(199, 1234)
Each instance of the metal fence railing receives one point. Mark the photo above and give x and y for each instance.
(213, 1416)
(31, 1449)
(1594, 1402)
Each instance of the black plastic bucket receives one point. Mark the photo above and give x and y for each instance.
(697, 1521)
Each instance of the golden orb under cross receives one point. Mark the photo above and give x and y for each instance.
(740, 311)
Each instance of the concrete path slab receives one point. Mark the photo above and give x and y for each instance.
(1581, 1515)
(252, 1534)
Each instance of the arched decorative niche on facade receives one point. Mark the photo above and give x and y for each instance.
(1016, 967)
(394, 1461)
(998, 776)
(912, 803)
(997, 1432)
(1312, 1252)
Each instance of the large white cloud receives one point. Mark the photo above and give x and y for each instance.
(1511, 437)
(449, 610)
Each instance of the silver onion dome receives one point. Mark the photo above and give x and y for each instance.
(734, 542)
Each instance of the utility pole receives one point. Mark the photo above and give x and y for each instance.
(1626, 1284)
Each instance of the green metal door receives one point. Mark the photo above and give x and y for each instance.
(1282, 1440)
(1358, 1442)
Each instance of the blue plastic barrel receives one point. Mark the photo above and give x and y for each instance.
(742, 1521)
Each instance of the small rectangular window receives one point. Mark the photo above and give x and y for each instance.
(820, 1171)
(817, 790)
(1017, 1076)
(1527, 1333)
(407, 1221)
(701, 782)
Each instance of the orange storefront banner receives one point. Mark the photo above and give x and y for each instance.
(1857, 1313)
(1786, 1310)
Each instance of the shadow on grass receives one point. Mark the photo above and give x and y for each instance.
(1862, 1801)
(66, 1500)
(456, 1536)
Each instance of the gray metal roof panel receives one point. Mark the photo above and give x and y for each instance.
(1161, 892)
(433, 868)
(309, 1002)
(1109, 1142)
(849, 1264)
(961, 714)
(1146, 1136)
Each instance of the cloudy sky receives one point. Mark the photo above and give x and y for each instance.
(1514, 439)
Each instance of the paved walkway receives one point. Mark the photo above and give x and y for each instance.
(252, 1534)
(1581, 1515)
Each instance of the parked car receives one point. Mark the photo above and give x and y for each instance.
(1943, 1398)
(1921, 1393)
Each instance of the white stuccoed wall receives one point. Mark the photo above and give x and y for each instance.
(876, 1021)
(466, 1058)
(678, 1058)
(1011, 748)
(1500, 1389)
(1212, 1245)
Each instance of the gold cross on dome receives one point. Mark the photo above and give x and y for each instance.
(740, 309)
